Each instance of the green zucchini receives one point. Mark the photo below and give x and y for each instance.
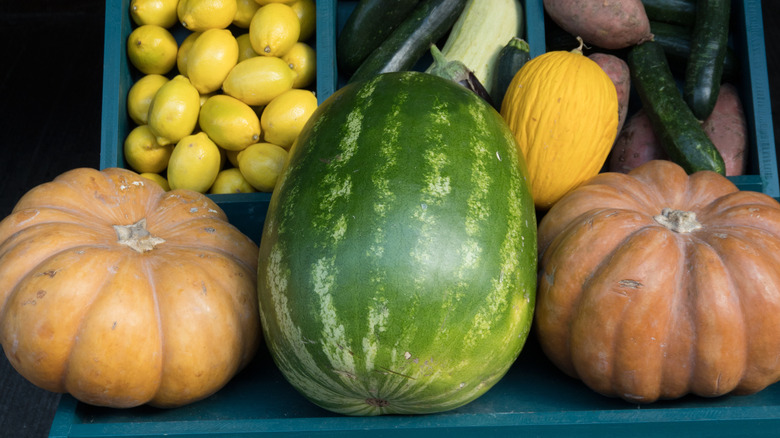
(429, 21)
(673, 122)
(708, 49)
(676, 41)
(680, 12)
(370, 23)
(511, 57)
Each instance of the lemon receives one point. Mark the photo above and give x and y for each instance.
(231, 181)
(157, 178)
(140, 96)
(232, 157)
(205, 97)
(159, 12)
(246, 10)
(230, 123)
(143, 153)
(275, 27)
(255, 81)
(173, 112)
(303, 60)
(306, 11)
(184, 52)
(200, 15)
(261, 164)
(245, 49)
(211, 57)
(194, 163)
(284, 117)
(152, 49)
(265, 2)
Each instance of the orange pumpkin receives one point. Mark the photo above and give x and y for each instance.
(122, 294)
(656, 284)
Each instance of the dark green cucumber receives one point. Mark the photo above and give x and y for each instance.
(429, 22)
(708, 50)
(511, 57)
(674, 124)
(681, 12)
(370, 23)
(676, 41)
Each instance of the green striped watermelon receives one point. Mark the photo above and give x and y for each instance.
(397, 267)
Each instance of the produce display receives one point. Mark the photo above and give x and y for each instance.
(122, 294)
(397, 266)
(454, 197)
(205, 72)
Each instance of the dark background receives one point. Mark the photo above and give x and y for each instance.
(51, 55)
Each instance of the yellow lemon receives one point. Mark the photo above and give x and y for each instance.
(143, 153)
(231, 181)
(246, 10)
(261, 164)
(152, 49)
(274, 28)
(245, 49)
(303, 60)
(200, 15)
(211, 58)
(184, 51)
(255, 81)
(306, 11)
(159, 12)
(194, 163)
(140, 96)
(230, 123)
(284, 117)
(265, 2)
(173, 112)
(157, 178)
(232, 157)
(205, 97)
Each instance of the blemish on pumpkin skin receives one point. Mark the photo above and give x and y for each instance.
(633, 284)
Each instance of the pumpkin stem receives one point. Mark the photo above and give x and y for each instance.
(677, 220)
(136, 236)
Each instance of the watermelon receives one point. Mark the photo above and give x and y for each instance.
(397, 267)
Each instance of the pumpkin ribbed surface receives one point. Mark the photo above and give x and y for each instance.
(122, 294)
(563, 110)
(657, 284)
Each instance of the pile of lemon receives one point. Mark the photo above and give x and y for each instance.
(218, 111)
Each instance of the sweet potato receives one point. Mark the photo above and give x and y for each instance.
(609, 24)
(636, 144)
(618, 72)
(727, 128)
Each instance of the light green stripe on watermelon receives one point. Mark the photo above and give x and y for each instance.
(393, 277)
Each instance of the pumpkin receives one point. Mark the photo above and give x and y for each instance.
(563, 110)
(121, 294)
(656, 284)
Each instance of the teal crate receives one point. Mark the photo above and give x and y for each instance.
(533, 399)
